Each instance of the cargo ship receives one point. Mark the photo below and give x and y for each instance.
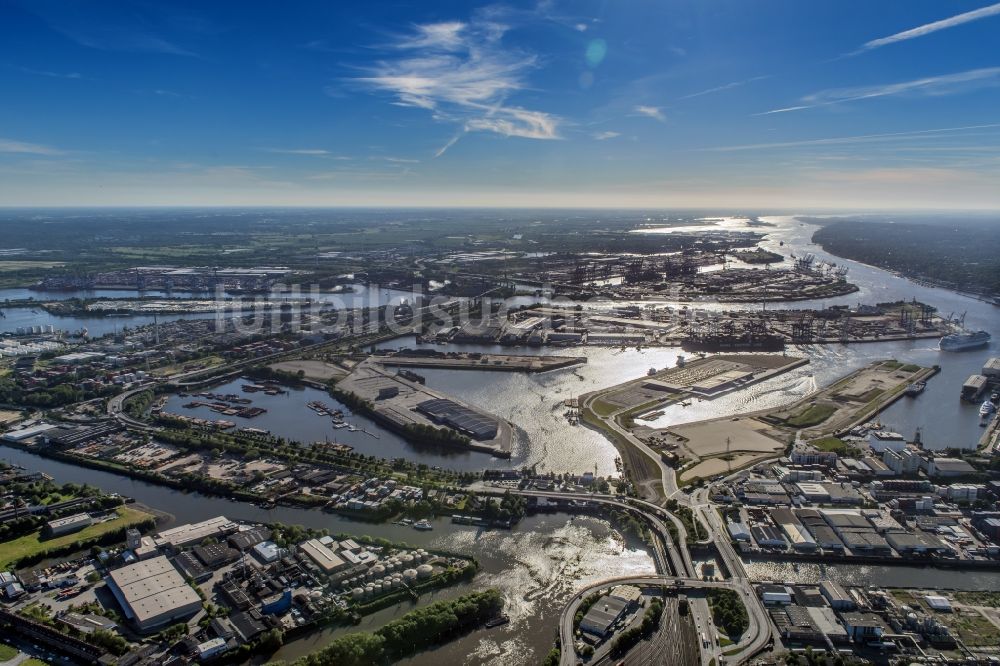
(965, 340)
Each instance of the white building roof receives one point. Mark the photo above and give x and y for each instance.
(151, 590)
(324, 558)
(183, 535)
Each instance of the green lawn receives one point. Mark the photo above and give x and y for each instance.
(32, 544)
(813, 415)
(979, 598)
(7, 652)
(10, 266)
(834, 444)
(602, 408)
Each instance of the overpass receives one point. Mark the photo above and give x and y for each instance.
(754, 639)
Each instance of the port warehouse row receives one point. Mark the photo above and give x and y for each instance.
(976, 385)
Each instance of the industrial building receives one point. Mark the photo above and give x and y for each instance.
(192, 533)
(461, 418)
(27, 433)
(322, 556)
(152, 593)
(836, 596)
(949, 467)
(608, 610)
(68, 524)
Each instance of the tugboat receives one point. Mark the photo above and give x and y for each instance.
(915, 389)
(423, 525)
(497, 621)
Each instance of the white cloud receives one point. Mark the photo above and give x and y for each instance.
(928, 28)
(50, 74)
(451, 142)
(727, 86)
(947, 84)
(604, 136)
(653, 112)
(315, 152)
(860, 138)
(21, 147)
(446, 35)
(464, 75)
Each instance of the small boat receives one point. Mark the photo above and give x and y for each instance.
(422, 525)
(915, 389)
(987, 408)
(497, 621)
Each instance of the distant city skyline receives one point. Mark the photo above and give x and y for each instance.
(725, 104)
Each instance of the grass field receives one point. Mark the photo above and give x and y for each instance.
(979, 598)
(7, 652)
(602, 408)
(32, 544)
(11, 266)
(814, 415)
(834, 444)
(207, 362)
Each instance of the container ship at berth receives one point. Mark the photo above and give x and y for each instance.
(965, 340)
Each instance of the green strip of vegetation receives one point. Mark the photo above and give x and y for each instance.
(417, 630)
(33, 548)
(813, 415)
(835, 444)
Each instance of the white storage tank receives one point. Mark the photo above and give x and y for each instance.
(424, 571)
(410, 575)
(357, 593)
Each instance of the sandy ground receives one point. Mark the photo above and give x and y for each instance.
(708, 438)
(317, 370)
(713, 466)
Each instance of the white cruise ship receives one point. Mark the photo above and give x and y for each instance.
(965, 340)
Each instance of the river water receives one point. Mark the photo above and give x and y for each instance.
(288, 416)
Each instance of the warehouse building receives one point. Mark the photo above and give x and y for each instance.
(68, 525)
(192, 533)
(152, 593)
(836, 596)
(450, 413)
(603, 615)
(322, 556)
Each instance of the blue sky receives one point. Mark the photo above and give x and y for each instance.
(714, 103)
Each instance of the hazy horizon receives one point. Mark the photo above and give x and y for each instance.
(824, 105)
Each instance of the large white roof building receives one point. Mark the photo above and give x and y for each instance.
(152, 593)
